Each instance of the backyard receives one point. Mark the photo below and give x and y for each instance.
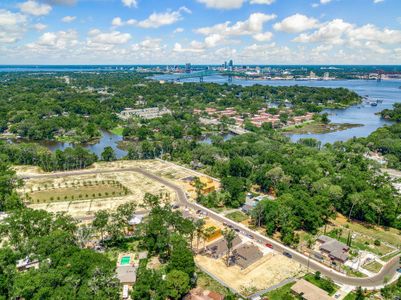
(237, 216)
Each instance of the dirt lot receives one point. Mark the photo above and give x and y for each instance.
(137, 185)
(268, 271)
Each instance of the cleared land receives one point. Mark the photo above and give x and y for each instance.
(237, 216)
(74, 193)
(266, 272)
(137, 185)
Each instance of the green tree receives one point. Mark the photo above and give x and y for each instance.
(177, 284)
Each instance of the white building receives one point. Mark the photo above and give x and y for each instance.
(145, 113)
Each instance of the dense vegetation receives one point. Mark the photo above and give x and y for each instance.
(67, 269)
(75, 107)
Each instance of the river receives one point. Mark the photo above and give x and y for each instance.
(387, 90)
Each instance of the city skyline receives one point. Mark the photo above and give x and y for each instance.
(203, 32)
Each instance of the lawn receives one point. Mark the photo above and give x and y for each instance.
(117, 131)
(318, 128)
(361, 242)
(373, 266)
(390, 256)
(237, 216)
(353, 273)
(327, 285)
(77, 192)
(281, 293)
(389, 235)
(206, 282)
(350, 296)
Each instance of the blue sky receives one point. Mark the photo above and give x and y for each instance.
(200, 31)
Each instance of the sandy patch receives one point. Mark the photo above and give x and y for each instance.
(271, 269)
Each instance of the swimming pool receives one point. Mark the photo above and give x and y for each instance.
(125, 260)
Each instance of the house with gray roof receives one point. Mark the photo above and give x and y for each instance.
(246, 255)
(219, 248)
(336, 250)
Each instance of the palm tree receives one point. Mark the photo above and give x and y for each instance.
(229, 236)
(199, 225)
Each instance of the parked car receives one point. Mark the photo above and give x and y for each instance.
(289, 255)
(269, 245)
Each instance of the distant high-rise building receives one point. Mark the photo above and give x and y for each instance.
(187, 68)
(230, 65)
(225, 65)
(326, 76)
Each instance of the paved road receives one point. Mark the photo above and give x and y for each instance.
(387, 272)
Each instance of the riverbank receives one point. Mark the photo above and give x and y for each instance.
(318, 128)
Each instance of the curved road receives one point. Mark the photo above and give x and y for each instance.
(387, 272)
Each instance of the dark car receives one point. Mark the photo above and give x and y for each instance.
(289, 255)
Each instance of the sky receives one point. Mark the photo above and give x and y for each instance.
(200, 31)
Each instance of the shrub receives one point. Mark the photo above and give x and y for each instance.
(377, 243)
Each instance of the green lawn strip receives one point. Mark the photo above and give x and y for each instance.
(117, 131)
(362, 243)
(282, 293)
(354, 273)
(373, 266)
(76, 193)
(322, 283)
(237, 216)
(350, 296)
(206, 282)
(390, 256)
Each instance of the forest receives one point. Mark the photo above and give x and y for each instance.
(69, 269)
(75, 107)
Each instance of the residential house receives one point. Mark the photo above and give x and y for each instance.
(219, 248)
(246, 255)
(308, 291)
(334, 249)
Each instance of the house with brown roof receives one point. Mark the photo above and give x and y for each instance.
(199, 294)
(246, 255)
(308, 291)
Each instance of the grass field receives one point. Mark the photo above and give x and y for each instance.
(281, 293)
(327, 285)
(206, 282)
(389, 235)
(353, 273)
(73, 193)
(317, 128)
(117, 131)
(237, 216)
(390, 256)
(373, 266)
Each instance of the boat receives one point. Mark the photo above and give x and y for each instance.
(373, 104)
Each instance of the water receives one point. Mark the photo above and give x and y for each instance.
(207, 139)
(107, 139)
(387, 90)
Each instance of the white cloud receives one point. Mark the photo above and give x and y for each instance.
(117, 21)
(99, 38)
(12, 26)
(156, 20)
(40, 26)
(61, 2)
(130, 3)
(34, 8)
(296, 23)
(267, 2)
(68, 19)
(55, 41)
(330, 32)
(222, 4)
(263, 37)
(253, 25)
(178, 30)
(178, 48)
(377, 1)
(325, 1)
